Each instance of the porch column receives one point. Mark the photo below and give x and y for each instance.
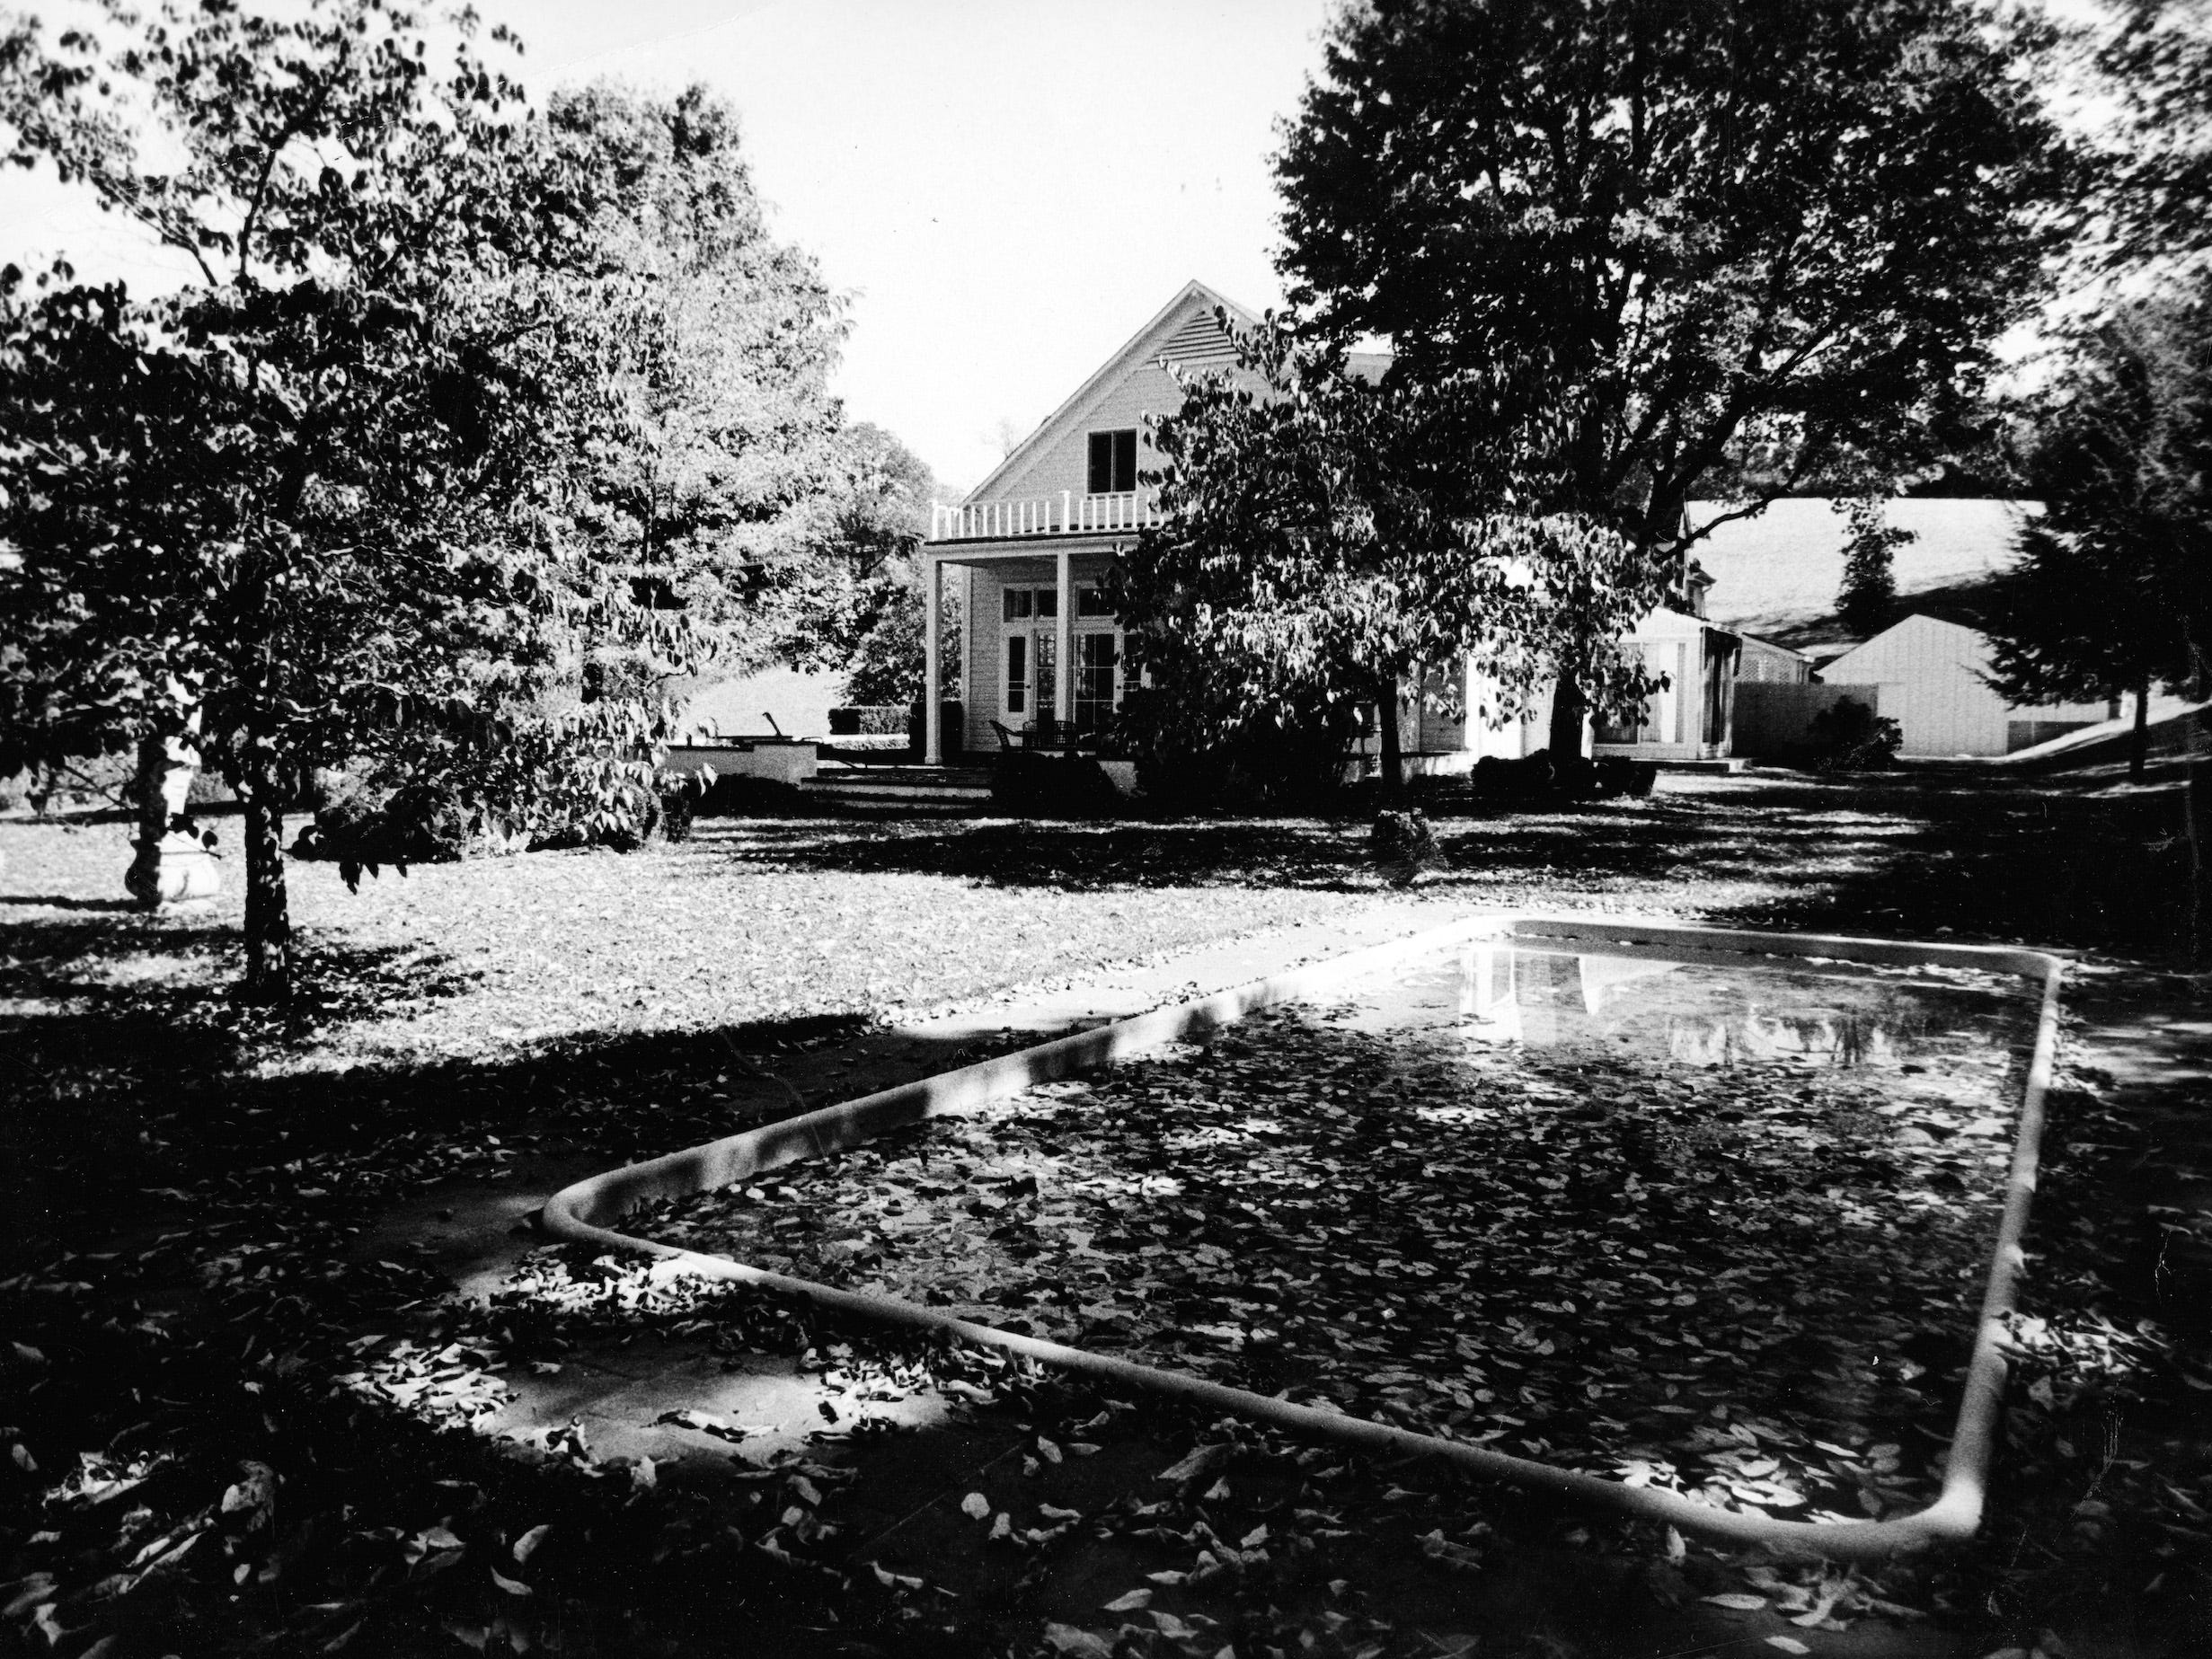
(933, 701)
(1063, 644)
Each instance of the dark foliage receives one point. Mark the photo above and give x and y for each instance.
(1049, 785)
(1867, 600)
(1786, 227)
(1850, 737)
(1403, 847)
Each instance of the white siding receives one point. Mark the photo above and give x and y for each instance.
(1929, 672)
(1671, 645)
(1062, 461)
(981, 706)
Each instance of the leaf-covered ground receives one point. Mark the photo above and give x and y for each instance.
(239, 1385)
(1730, 1236)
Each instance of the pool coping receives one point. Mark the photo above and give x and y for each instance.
(576, 1213)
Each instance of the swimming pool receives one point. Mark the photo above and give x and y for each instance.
(1674, 1220)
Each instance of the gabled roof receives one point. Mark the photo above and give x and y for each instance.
(1776, 575)
(1964, 639)
(1144, 344)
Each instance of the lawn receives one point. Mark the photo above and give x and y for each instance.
(242, 1380)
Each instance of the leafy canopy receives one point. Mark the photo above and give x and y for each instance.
(854, 604)
(442, 459)
(1686, 226)
(2113, 591)
(1326, 538)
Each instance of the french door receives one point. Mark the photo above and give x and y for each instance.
(1031, 690)
(1097, 659)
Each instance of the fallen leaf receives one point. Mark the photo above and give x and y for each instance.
(1068, 1640)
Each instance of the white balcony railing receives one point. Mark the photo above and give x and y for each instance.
(1066, 514)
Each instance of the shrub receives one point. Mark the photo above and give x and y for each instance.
(1295, 759)
(679, 806)
(365, 829)
(1539, 778)
(1403, 846)
(952, 722)
(1851, 736)
(876, 721)
(1034, 782)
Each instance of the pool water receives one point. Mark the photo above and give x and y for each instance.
(1719, 1225)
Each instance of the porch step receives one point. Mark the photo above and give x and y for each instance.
(958, 777)
(902, 788)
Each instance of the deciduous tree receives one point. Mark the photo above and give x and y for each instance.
(728, 438)
(853, 603)
(1866, 599)
(1685, 226)
(1325, 539)
(348, 493)
(2113, 594)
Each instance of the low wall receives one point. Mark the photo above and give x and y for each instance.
(1773, 718)
(783, 763)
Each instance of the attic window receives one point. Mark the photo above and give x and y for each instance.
(1113, 462)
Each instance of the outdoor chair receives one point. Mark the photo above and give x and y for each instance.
(1042, 733)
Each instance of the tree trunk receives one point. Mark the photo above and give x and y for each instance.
(2139, 740)
(166, 868)
(142, 881)
(1569, 708)
(1392, 777)
(269, 914)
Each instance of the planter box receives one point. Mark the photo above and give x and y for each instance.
(781, 760)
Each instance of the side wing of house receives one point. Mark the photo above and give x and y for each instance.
(1691, 716)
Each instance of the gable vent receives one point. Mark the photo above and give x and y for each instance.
(1200, 343)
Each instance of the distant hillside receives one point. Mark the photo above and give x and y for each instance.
(1776, 575)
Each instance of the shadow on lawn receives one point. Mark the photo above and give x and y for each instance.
(139, 1110)
(1908, 853)
(1061, 853)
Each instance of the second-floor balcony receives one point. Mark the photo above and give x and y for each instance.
(1069, 513)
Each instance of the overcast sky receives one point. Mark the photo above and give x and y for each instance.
(1006, 188)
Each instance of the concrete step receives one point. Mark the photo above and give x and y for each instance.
(939, 777)
(920, 791)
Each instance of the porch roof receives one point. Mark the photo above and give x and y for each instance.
(1018, 549)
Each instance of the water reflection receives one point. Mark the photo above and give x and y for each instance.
(1696, 1014)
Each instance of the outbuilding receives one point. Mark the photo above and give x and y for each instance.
(1932, 677)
